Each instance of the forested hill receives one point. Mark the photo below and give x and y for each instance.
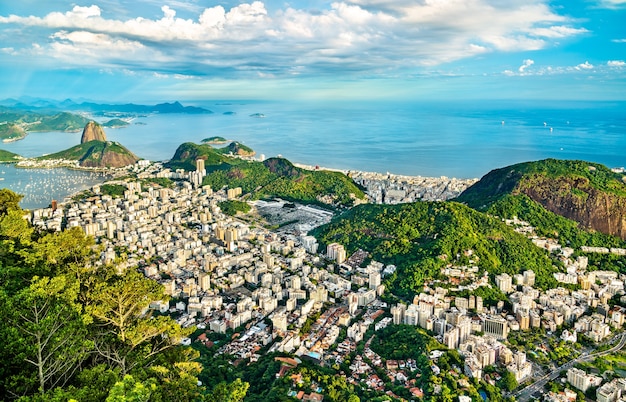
(420, 238)
(585, 192)
(274, 177)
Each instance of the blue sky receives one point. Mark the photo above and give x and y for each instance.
(155, 50)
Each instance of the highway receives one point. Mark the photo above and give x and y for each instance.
(524, 394)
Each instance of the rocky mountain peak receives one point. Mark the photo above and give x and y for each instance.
(93, 131)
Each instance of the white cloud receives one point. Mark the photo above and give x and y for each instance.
(527, 63)
(558, 31)
(616, 63)
(584, 66)
(375, 36)
(612, 3)
(619, 40)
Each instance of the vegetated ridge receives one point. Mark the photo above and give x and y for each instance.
(585, 192)
(18, 123)
(214, 140)
(11, 132)
(421, 238)
(95, 151)
(6, 156)
(274, 177)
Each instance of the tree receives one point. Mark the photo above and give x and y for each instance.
(129, 336)
(229, 392)
(9, 201)
(53, 330)
(508, 381)
(131, 390)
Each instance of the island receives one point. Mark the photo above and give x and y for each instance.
(215, 140)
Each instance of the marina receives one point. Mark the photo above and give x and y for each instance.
(40, 186)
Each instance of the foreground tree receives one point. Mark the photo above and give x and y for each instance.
(52, 329)
(129, 336)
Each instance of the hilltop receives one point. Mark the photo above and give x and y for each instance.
(421, 238)
(95, 151)
(214, 140)
(584, 192)
(274, 177)
(11, 132)
(6, 156)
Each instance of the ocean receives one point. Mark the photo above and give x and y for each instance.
(453, 139)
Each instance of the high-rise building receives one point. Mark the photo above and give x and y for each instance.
(397, 312)
(504, 282)
(496, 326)
(581, 380)
(374, 279)
(529, 278)
(336, 252)
(200, 167)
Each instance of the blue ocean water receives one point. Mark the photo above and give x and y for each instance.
(454, 139)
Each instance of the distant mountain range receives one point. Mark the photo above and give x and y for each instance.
(46, 105)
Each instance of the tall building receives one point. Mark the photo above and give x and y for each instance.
(397, 312)
(529, 278)
(504, 282)
(336, 252)
(374, 279)
(523, 318)
(204, 281)
(200, 167)
(581, 380)
(496, 326)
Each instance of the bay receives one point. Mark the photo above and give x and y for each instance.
(40, 186)
(454, 139)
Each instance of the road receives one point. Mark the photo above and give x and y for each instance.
(524, 394)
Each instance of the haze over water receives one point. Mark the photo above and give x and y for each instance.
(454, 139)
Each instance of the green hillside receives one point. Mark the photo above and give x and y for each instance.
(6, 156)
(11, 132)
(60, 122)
(512, 179)
(96, 154)
(586, 193)
(39, 122)
(115, 123)
(214, 140)
(236, 148)
(187, 153)
(421, 238)
(274, 177)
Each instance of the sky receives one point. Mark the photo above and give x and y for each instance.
(144, 50)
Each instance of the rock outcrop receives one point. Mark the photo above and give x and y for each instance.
(93, 131)
(576, 199)
(588, 193)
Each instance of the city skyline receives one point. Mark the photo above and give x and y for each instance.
(119, 51)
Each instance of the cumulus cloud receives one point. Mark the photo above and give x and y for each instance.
(584, 66)
(527, 63)
(616, 63)
(372, 36)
